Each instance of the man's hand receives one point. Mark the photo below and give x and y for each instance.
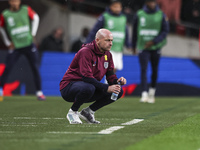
(122, 80)
(11, 46)
(134, 51)
(34, 40)
(148, 44)
(114, 89)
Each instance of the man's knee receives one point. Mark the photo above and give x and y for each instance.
(88, 90)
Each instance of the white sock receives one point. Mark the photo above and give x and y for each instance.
(39, 93)
(152, 92)
(90, 110)
(72, 110)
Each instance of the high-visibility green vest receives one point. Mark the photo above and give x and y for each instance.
(149, 26)
(18, 27)
(117, 26)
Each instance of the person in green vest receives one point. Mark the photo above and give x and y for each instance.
(114, 20)
(18, 33)
(150, 29)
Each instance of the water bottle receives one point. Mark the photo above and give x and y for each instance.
(114, 95)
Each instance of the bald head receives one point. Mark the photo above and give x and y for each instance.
(104, 40)
(102, 33)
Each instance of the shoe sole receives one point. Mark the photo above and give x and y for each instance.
(143, 101)
(151, 100)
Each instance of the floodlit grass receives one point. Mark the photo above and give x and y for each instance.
(172, 123)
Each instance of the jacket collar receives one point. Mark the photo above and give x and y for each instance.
(93, 46)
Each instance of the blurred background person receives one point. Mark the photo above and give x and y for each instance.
(80, 41)
(191, 13)
(16, 22)
(150, 29)
(54, 41)
(113, 20)
(172, 12)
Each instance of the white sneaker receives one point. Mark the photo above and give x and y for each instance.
(151, 100)
(73, 117)
(144, 97)
(88, 116)
(152, 92)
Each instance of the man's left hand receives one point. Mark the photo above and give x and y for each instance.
(149, 44)
(122, 80)
(34, 40)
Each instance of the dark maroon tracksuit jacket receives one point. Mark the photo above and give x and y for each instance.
(90, 65)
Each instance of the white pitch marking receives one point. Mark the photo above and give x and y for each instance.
(59, 118)
(23, 124)
(53, 118)
(20, 125)
(134, 121)
(7, 132)
(24, 118)
(38, 118)
(32, 123)
(54, 132)
(115, 128)
(110, 130)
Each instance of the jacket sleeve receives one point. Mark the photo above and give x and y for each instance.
(5, 38)
(164, 30)
(35, 20)
(99, 24)
(134, 34)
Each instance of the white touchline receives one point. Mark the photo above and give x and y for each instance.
(7, 132)
(134, 121)
(38, 118)
(24, 118)
(54, 132)
(115, 128)
(110, 130)
(18, 125)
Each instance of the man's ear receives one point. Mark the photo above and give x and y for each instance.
(97, 40)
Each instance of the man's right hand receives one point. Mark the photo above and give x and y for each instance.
(11, 46)
(114, 89)
(134, 51)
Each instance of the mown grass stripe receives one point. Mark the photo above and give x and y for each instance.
(182, 136)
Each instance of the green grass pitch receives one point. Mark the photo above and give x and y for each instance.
(172, 123)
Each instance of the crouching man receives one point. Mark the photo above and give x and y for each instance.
(81, 82)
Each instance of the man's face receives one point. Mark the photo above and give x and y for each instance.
(151, 5)
(105, 43)
(14, 4)
(116, 8)
(58, 34)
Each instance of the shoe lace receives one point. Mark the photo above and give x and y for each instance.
(92, 116)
